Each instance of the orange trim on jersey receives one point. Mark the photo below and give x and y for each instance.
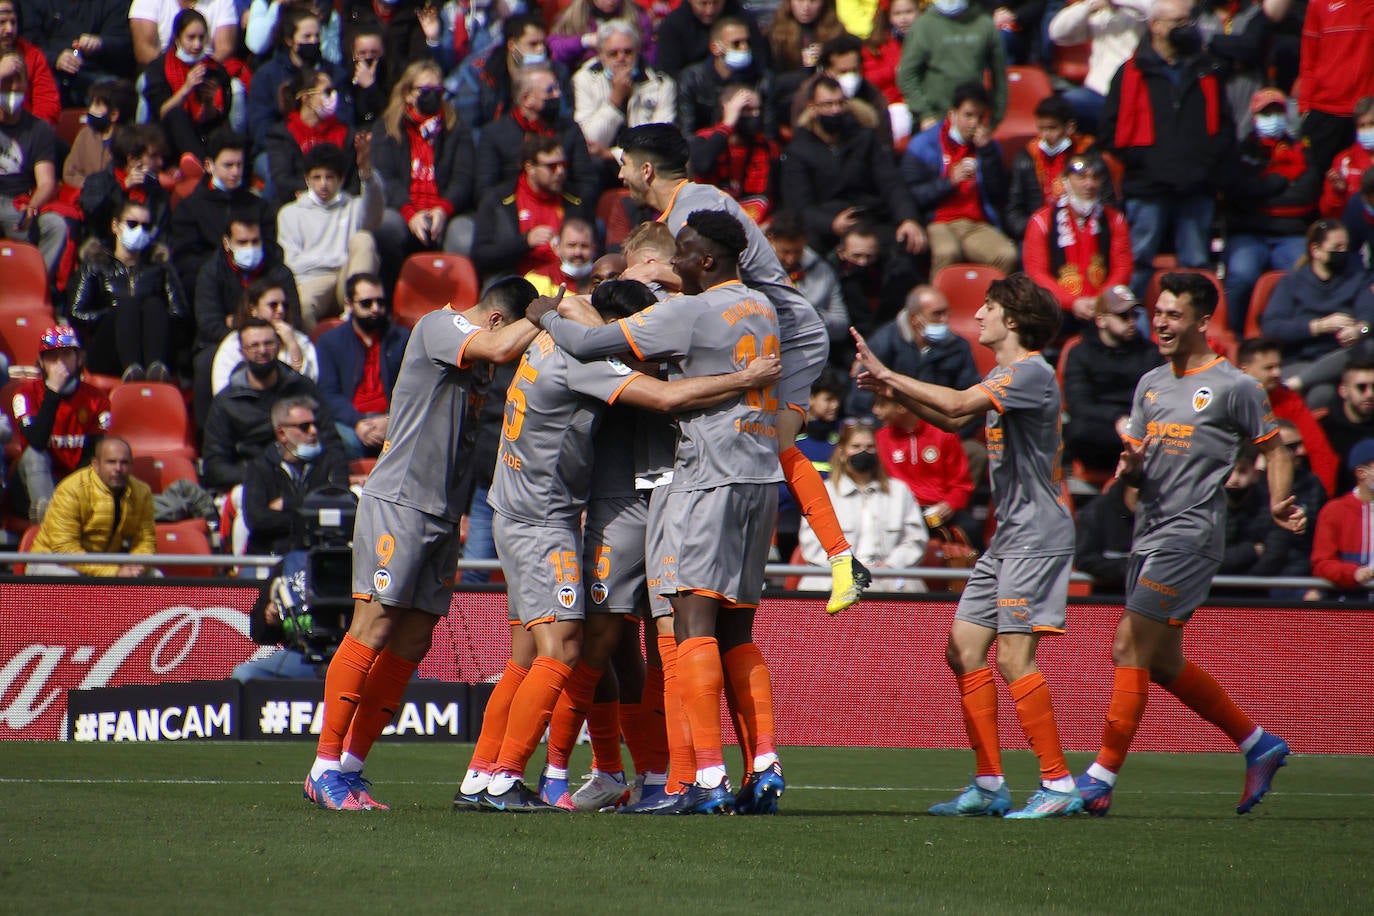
(1131, 439)
(706, 593)
(723, 284)
(534, 623)
(634, 347)
(1174, 622)
(672, 199)
(458, 361)
(628, 379)
(734, 606)
(1053, 630)
(1267, 436)
(1203, 368)
(996, 404)
(367, 597)
(799, 409)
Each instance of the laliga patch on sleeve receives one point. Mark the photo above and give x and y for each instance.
(462, 324)
(617, 366)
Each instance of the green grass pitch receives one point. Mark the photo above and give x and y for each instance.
(222, 828)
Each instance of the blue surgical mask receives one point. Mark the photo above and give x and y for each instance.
(739, 59)
(1270, 125)
(308, 451)
(951, 7)
(186, 57)
(136, 238)
(532, 58)
(248, 258)
(936, 332)
(1365, 137)
(1056, 149)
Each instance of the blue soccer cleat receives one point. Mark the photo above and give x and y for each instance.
(467, 801)
(1096, 794)
(554, 791)
(976, 801)
(1261, 762)
(1049, 803)
(662, 802)
(331, 792)
(361, 789)
(715, 800)
(761, 791)
(518, 799)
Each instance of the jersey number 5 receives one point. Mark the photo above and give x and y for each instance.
(516, 402)
(749, 348)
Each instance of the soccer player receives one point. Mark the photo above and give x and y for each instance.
(405, 538)
(654, 168)
(540, 489)
(710, 533)
(1187, 420)
(1018, 589)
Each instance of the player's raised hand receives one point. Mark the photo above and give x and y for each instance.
(864, 360)
(544, 304)
(1128, 466)
(1289, 516)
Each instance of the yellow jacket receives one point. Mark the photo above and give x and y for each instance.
(80, 519)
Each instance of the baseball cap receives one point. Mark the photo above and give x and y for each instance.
(1266, 97)
(58, 337)
(1117, 300)
(1361, 454)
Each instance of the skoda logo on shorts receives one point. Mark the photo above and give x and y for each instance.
(599, 592)
(381, 580)
(567, 596)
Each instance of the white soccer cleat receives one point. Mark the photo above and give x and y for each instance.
(601, 790)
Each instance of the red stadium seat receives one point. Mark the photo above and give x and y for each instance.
(69, 124)
(186, 538)
(26, 276)
(609, 209)
(152, 417)
(1259, 298)
(1026, 88)
(359, 468)
(21, 328)
(965, 285)
(26, 546)
(430, 280)
(324, 324)
(105, 383)
(1071, 61)
(160, 471)
(791, 582)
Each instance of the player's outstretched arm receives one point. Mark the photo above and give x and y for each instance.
(947, 408)
(582, 342)
(508, 342)
(1283, 506)
(704, 391)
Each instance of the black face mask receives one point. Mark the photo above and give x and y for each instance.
(310, 55)
(98, 123)
(864, 462)
(747, 126)
(261, 371)
(429, 102)
(550, 110)
(836, 125)
(372, 325)
(1337, 262)
(1186, 40)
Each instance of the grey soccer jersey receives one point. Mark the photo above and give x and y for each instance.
(434, 406)
(759, 267)
(553, 408)
(713, 333)
(1197, 420)
(1024, 461)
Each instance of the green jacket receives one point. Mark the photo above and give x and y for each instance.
(941, 52)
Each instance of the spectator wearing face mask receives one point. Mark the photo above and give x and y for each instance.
(310, 103)
(29, 179)
(872, 284)
(841, 59)
(188, 91)
(111, 103)
(735, 155)
(686, 34)
(265, 300)
(1038, 172)
(575, 249)
(1347, 170)
(136, 155)
(733, 59)
(929, 73)
(298, 30)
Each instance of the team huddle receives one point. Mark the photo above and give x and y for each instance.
(679, 519)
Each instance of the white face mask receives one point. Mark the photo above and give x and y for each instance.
(739, 59)
(135, 238)
(955, 135)
(329, 107)
(1365, 137)
(248, 258)
(186, 57)
(951, 7)
(1080, 205)
(849, 83)
(576, 271)
(1056, 149)
(532, 58)
(936, 331)
(1271, 125)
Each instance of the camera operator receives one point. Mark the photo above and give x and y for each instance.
(275, 483)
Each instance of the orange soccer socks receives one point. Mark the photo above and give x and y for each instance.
(702, 679)
(682, 766)
(530, 711)
(386, 685)
(751, 687)
(978, 697)
(809, 489)
(344, 686)
(1130, 692)
(495, 718)
(573, 708)
(1200, 692)
(1035, 709)
(643, 725)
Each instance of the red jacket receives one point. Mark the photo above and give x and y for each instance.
(79, 418)
(1289, 405)
(930, 461)
(44, 101)
(1343, 540)
(880, 68)
(1336, 62)
(1078, 271)
(1351, 164)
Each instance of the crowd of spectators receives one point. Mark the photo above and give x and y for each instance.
(882, 146)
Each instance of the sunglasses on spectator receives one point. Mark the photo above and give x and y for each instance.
(134, 224)
(305, 427)
(1363, 386)
(376, 303)
(273, 303)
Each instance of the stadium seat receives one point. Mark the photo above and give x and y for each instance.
(324, 324)
(26, 276)
(191, 172)
(965, 285)
(1071, 61)
(26, 546)
(1026, 87)
(359, 468)
(160, 471)
(430, 280)
(105, 383)
(69, 124)
(21, 328)
(186, 538)
(152, 417)
(1259, 298)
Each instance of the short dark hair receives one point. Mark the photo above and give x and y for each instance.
(536, 145)
(362, 276)
(615, 299)
(833, 381)
(841, 44)
(970, 92)
(515, 26)
(326, 156)
(660, 144)
(1036, 312)
(722, 230)
(510, 296)
(224, 138)
(1201, 291)
(1359, 360)
(118, 95)
(243, 217)
(787, 224)
(1055, 108)
(133, 139)
(1251, 347)
(254, 321)
(823, 82)
(184, 20)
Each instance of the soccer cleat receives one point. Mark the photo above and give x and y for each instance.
(331, 792)
(467, 802)
(554, 791)
(848, 579)
(518, 799)
(716, 800)
(1049, 803)
(643, 792)
(661, 803)
(976, 801)
(761, 791)
(1261, 762)
(1096, 794)
(360, 788)
(601, 790)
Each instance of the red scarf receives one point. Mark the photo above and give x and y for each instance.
(1049, 170)
(177, 71)
(330, 130)
(1135, 118)
(965, 201)
(536, 126)
(1289, 159)
(138, 195)
(424, 187)
(535, 208)
(1081, 251)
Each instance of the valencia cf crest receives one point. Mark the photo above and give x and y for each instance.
(599, 592)
(381, 580)
(1201, 398)
(567, 596)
